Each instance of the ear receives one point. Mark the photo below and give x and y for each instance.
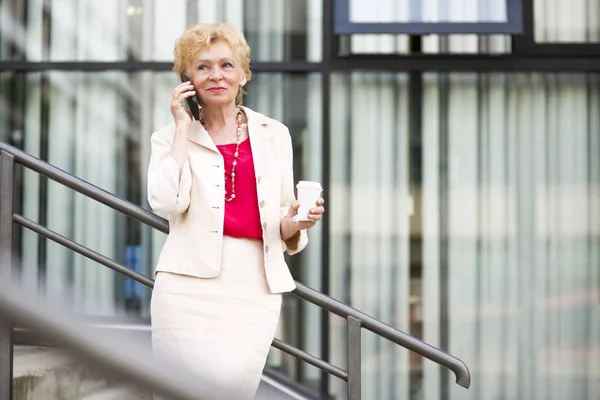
(243, 80)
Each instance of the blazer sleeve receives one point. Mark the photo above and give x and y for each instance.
(166, 191)
(296, 243)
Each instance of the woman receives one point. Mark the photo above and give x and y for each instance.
(226, 182)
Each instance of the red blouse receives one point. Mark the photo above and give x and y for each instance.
(242, 218)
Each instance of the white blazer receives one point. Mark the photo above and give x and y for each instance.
(195, 203)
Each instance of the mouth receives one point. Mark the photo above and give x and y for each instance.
(217, 89)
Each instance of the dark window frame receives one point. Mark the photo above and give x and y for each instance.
(513, 24)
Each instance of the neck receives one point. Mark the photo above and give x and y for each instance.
(219, 117)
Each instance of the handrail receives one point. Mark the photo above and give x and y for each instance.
(117, 354)
(356, 319)
(371, 324)
(86, 188)
(302, 291)
(143, 279)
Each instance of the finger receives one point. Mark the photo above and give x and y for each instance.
(184, 84)
(292, 212)
(188, 89)
(320, 201)
(315, 214)
(314, 217)
(184, 87)
(187, 94)
(317, 210)
(307, 224)
(184, 96)
(294, 208)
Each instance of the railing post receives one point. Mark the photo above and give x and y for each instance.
(6, 233)
(354, 360)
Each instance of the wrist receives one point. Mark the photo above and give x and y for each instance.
(288, 228)
(182, 126)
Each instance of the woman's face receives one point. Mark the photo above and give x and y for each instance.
(217, 75)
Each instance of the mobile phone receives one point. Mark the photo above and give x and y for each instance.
(192, 101)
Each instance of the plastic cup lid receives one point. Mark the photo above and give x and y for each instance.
(308, 185)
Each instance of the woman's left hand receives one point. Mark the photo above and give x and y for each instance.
(291, 227)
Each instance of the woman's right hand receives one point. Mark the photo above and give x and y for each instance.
(181, 92)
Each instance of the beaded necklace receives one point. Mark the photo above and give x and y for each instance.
(241, 125)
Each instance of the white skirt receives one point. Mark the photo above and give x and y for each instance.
(220, 328)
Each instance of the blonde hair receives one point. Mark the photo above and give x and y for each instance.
(200, 37)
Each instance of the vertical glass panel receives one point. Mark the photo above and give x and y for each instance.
(5, 104)
(466, 44)
(428, 11)
(114, 30)
(492, 253)
(369, 211)
(375, 44)
(295, 100)
(89, 130)
(86, 124)
(284, 30)
(511, 233)
(20, 127)
(576, 21)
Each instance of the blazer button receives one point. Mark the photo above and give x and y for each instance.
(259, 180)
(262, 203)
(264, 225)
(266, 248)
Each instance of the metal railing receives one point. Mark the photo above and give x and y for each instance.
(356, 320)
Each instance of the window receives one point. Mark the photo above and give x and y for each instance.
(428, 16)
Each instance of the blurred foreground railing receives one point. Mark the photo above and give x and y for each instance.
(117, 355)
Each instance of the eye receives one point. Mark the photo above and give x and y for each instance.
(227, 65)
(202, 67)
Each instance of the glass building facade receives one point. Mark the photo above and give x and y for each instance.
(461, 174)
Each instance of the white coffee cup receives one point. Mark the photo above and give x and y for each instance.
(308, 194)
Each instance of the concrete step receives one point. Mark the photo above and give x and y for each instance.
(117, 393)
(51, 373)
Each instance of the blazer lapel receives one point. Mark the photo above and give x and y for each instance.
(199, 135)
(259, 133)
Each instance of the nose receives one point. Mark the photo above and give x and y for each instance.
(216, 74)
